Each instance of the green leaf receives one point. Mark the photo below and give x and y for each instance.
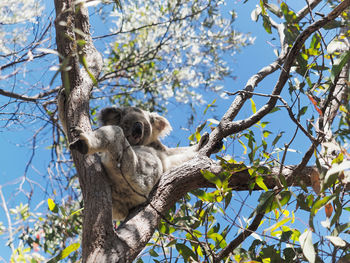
(65, 253)
(320, 203)
(344, 58)
(185, 251)
(153, 253)
(265, 200)
(209, 106)
(260, 182)
(333, 24)
(280, 200)
(212, 178)
(267, 24)
(68, 250)
(52, 205)
(302, 111)
(228, 198)
(243, 145)
(253, 106)
(82, 60)
(288, 14)
(289, 254)
(315, 42)
(266, 133)
(274, 110)
(277, 138)
(218, 239)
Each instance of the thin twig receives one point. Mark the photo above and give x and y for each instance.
(4, 205)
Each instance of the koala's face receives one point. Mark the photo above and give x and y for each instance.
(140, 127)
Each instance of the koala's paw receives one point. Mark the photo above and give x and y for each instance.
(76, 131)
(218, 146)
(80, 144)
(203, 141)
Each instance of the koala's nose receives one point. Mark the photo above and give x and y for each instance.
(137, 130)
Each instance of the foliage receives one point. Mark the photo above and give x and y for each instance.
(22, 13)
(40, 234)
(170, 49)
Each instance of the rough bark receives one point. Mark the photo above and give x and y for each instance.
(97, 227)
(100, 243)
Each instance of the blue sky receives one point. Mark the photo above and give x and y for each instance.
(14, 143)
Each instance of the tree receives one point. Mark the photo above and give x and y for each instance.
(182, 209)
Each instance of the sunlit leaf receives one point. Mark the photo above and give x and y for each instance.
(65, 253)
(279, 224)
(260, 182)
(267, 24)
(307, 247)
(344, 58)
(209, 106)
(326, 223)
(320, 203)
(254, 15)
(336, 45)
(336, 241)
(52, 205)
(253, 105)
(212, 178)
(274, 9)
(218, 239)
(243, 145)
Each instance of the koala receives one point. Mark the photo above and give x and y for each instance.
(140, 127)
(131, 152)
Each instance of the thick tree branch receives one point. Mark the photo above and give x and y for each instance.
(135, 232)
(307, 9)
(241, 237)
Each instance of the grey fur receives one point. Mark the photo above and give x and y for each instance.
(132, 153)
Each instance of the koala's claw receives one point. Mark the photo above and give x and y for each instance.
(218, 146)
(80, 146)
(203, 141)
(76, 130)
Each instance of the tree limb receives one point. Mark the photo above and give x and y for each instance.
(241, 237)
(35, 98)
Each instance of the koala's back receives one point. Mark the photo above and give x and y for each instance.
(133, 178)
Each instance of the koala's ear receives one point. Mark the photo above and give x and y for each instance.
(110, 116)
(160, 124)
